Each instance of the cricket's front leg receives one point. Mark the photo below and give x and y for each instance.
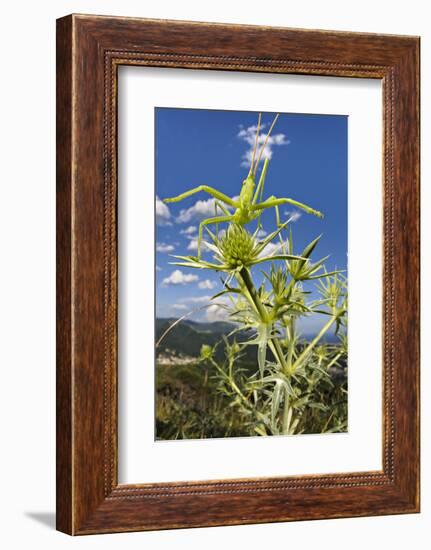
(206, 189)
(216, 219)
(218, 204)
(277, 217)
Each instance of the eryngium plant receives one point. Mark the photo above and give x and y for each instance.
(298, 386)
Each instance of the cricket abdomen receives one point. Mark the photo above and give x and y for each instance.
(243, 214)
(247, 190)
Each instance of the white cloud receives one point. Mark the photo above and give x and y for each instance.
(158, 268)
(216, 312)
(189, 230)
(207, 284)
(177, 277)
(201, 209)
(179, 306)
(261, 233)
(249, 136)
(196, 299)
(193, 245)
(163, 247)
(270, 249)
(163, 213)
(293, 215)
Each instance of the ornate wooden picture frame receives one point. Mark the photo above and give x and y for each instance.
(89, 51)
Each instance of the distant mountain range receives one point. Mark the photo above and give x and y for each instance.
(220, 327)
(187, 337)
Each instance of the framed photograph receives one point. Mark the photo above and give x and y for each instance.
(237, 274)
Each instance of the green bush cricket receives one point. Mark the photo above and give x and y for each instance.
(249, 204)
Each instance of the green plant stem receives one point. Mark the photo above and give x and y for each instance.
(313, 343)
(261, 309)
(334, 360)
(232, 383)
(290, 341)
(328, 421)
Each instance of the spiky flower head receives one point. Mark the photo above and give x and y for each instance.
(237, 247)
(207, 352)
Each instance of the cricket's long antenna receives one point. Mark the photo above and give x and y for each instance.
(255, 143)
(266, 141)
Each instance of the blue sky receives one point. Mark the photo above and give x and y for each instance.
(308, 162)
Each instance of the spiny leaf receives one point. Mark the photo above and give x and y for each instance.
(270, 237)
(276, 399)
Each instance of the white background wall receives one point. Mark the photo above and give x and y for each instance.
(27, 279)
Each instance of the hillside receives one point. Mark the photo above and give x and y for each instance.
(184, 341)
(187, 337)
